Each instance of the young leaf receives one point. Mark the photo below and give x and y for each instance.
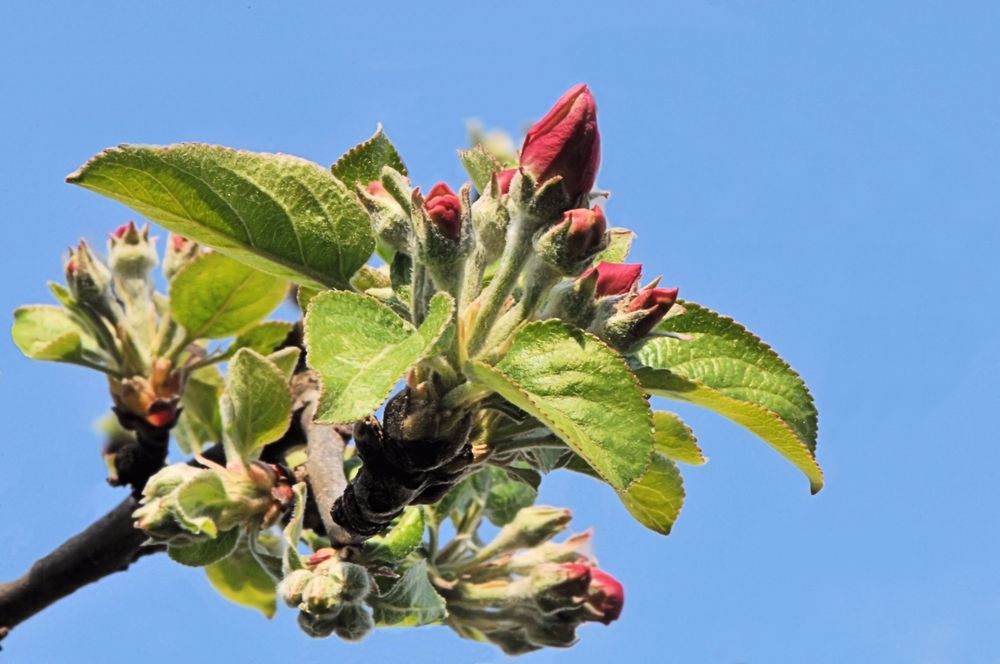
(411, 602)
(363, 163)
(618, 248)
(361, 348)
(280, 214)
(215, 296)
(200, 422)
(581, 390)
(675, 440)
(480, 165)
(206, 552)
(256, 406)
(240, 578)
(205, 495)
(263, 338)
(286, 360)
(718, 364)
(44, 332)
(505, 496)
(405, 536)
(655, 499)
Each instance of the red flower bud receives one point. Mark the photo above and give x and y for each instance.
(445, 210)
(586, 231)
(566, 143)
(375, 188)
(614, 278)
(605, 595)
(656, 302)
(504, 178)
(179, 242)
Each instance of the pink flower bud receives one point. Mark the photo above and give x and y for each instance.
(445, 210)
(504, 178)
(586, 231)
(375, 188)
(605, 595)
(566, 143)
(614, 278)
(656, 302)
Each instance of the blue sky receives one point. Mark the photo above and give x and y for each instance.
(825, 172)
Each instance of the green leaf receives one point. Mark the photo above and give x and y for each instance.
(263, 337)
(280, 214)
(207, 551)
(215, 296)
(369, 277)
(363, 163)
(286, 360)
(291, 559)
(405, 536)
(674, 439)
(618, 248)
(505, 496)
(411, 602)
(256, 406)
(361, 349)
(205, 495)
(44, 332)
(582, 390)
(200, 422)
(655, 499)
(718, 364)
(241, 579)
(480, 165)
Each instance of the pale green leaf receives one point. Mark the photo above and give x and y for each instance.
(256, 406)
(480, 165)
(281, 214)
(214, 296)
(205, 552)
(618, 248)
(200, 422)
(263, 337)
(44, 332)
(361, 348)
(199, 501)
(240, 578)
(674, 439)
(655, 499)
(411, 602)
(582, 390)
(505, 496)
(363, 163)
(286, 360)
(718, 364)
(404, 536)
(291, 559)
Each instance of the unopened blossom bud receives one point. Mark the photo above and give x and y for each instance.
(291, 587)
(655, 302)
(353, 622)
(605, 596)
(320, 594)
(490, 219)
(614, 278)
(130, 251)
(390, 219)
(353, 580)
(444, 211)
(572, 244)
(88, 278)
(180, 252)
(530, 527)
(504, 178)
(560, 586)
(566, 143)
(318, 627)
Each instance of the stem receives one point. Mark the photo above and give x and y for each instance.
(515, 255)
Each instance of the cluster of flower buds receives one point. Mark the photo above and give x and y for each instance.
(183, 504)
(523, 591)
(329, 594)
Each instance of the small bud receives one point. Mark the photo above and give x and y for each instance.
(568, 551)
(130, 252)
(504, 178)
(656, 302)
(320, 594)
(614, 278)
(627, 326)
(490, 219)
(445, 211)
(560, 586)
(390, 220)
(291, 587)
(354, 580)
(89, 279)
(180, 252)
(155, 400)
(566, 143)
(353, 622)
(572, 244)
(318, 627)
(605, 596)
